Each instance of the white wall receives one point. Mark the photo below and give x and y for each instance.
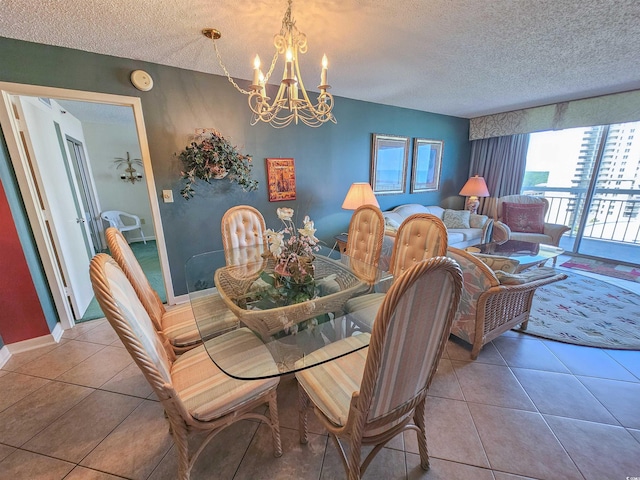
(105, 143)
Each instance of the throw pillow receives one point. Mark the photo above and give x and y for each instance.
(477, 221)
(525, 218)
(456, 218)
(495, 262)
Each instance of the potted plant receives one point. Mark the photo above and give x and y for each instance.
(211, 156)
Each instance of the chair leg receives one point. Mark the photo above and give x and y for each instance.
(303, 407)
(275, 425)
(142, 235)
(418, 418)
(179, 434)
(353, 462)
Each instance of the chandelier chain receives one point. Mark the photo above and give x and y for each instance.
(226, 72)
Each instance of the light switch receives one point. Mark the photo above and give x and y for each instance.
(167, 196)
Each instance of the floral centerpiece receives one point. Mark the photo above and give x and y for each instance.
(292, 250)
(211, 156)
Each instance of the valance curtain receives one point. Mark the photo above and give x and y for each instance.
(501, 161)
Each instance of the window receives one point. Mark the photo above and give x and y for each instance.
(582, 173)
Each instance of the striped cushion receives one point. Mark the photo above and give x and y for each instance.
(147, 294)
(209, 393)
(179, 325)
(411, 343)
(137, 319)
(363, 310)
(331, 384)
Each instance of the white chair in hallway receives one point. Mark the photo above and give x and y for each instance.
(114, 217)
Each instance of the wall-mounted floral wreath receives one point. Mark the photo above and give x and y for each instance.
(211, 156)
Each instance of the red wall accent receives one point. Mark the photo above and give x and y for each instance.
(21, 316)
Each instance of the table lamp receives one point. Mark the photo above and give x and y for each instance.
(359, 194)
(474, 188)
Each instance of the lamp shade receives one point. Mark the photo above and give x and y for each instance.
(359, 194)
(475, 187)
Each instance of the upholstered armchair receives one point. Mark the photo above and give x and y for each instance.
(523, 217)
(494, 301)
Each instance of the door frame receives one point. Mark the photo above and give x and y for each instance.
(31, 195)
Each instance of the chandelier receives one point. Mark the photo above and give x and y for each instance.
(131, 175)
(291, 103)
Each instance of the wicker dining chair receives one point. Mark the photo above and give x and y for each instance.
(364, 242)
(243, 226)
(421, 236)
(370, 396)
(195, 394)
(177, 323)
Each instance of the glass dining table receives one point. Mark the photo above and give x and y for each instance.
(301, 325)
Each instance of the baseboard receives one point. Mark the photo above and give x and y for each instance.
(181, 299)
(33, 343)
(5, 355)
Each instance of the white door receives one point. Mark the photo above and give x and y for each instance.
(60, 201)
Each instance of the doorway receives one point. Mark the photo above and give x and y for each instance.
(52, 219)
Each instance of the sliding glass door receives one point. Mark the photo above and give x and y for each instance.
(591, 178)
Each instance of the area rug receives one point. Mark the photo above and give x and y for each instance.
(585, 311)
(615, 270)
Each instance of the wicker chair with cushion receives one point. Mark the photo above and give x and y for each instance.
(494, 302)
(370, 396)
(177, 323)
(364, 243)
(524, 216)
(243, 226)
(195, 394)
(420, 237)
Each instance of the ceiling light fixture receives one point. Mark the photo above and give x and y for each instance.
(291, 103)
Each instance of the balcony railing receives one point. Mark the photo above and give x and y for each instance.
(613, 215)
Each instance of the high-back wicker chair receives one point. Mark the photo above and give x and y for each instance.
(177, 324)
(364, 243)
(195, 394)
(421, 236)
(243, 226)
(370, 396)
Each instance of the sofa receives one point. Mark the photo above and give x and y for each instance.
(463, 228)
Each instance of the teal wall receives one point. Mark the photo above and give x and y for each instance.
(328, 159)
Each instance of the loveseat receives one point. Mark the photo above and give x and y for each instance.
(463, 228)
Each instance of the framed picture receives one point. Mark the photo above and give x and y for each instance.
(281, 179)
(427, 159)
(389, 155)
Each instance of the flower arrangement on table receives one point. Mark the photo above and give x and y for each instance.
(292, 249)
(291, 280)
(211, 156)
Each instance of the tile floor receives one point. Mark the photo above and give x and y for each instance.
(526, 409)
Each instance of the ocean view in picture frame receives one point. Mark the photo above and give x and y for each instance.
(389, 155)
(427, 159)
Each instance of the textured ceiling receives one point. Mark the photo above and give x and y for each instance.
(459, 57)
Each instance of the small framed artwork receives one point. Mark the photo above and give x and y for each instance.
(427, 160)
(389, 154)
(281, 179)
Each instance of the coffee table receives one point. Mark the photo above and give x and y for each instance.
(527, 253)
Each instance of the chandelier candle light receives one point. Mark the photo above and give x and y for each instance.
(291, 103)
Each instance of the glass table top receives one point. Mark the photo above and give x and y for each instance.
(241, 290)
(527, 253)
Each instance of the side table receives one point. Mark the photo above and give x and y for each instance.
(341, 240)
